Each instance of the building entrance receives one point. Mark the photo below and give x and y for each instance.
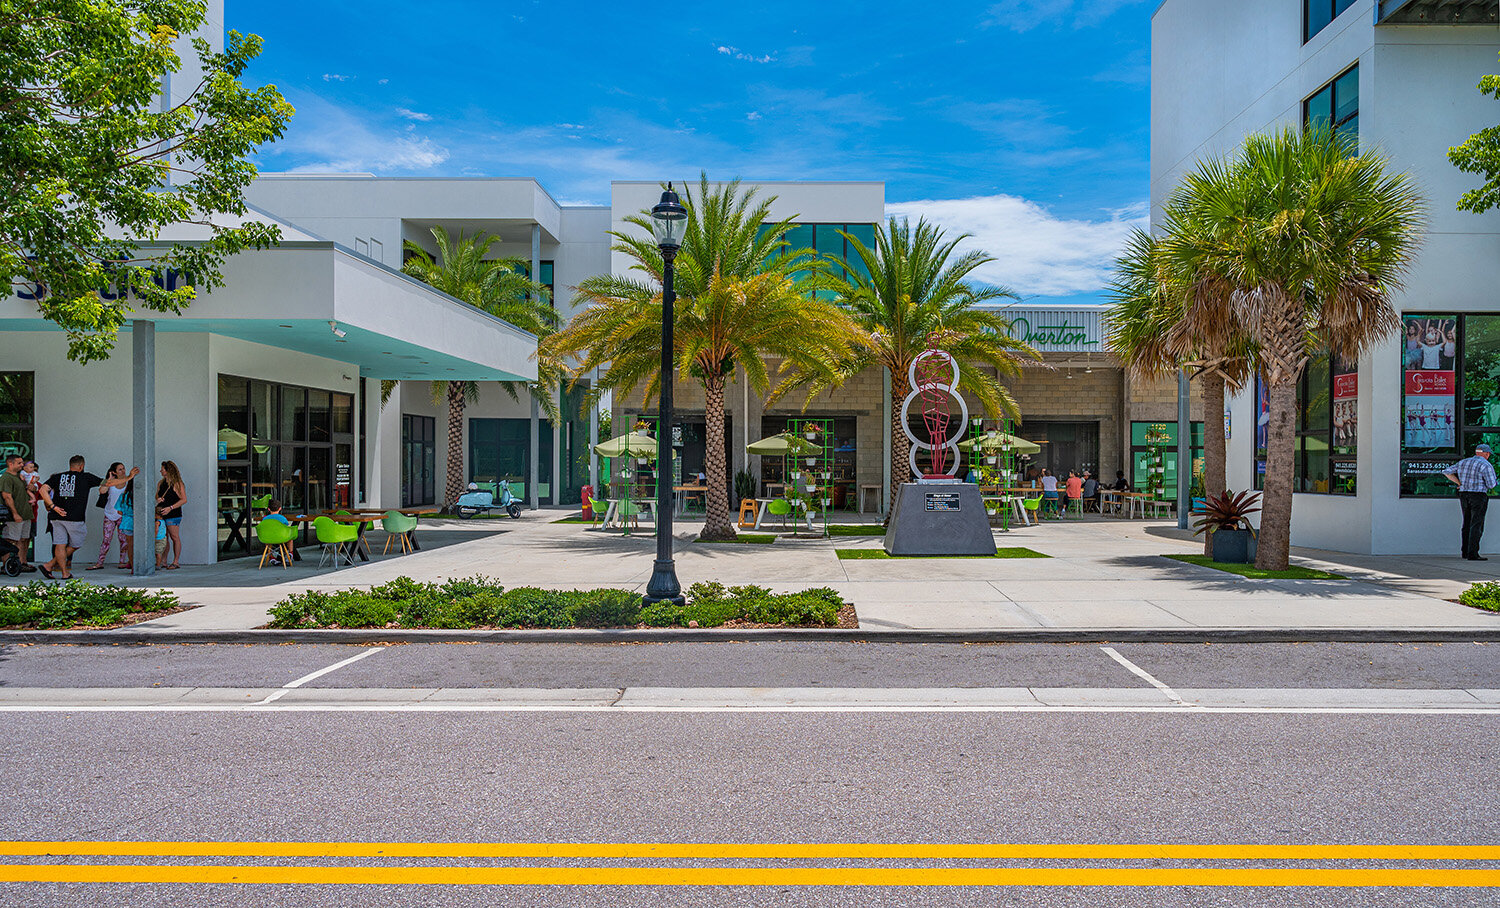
(1065, 445)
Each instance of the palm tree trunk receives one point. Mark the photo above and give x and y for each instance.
(454, 486)
(1276, 504)
(900, 444)
(716, 523)
(1211, 387)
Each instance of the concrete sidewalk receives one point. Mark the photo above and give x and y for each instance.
(1102, 574)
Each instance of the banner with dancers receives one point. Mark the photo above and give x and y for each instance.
(1431, 383)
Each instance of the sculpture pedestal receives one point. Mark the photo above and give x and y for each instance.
(939, 518)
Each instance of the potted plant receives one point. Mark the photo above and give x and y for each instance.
(1227, 518)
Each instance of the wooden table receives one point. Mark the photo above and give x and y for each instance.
(357, 547)
(681, 499)
(642, 504)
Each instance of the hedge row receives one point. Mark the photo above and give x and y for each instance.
(74, 603)
(482, 602)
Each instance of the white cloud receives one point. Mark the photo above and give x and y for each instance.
(738, 54)
(382, 81)
(753, 115)
(413, 115)
(327, 138)
(1036, 252)
(336, 77)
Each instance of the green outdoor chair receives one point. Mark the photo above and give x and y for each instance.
(261, 503)
(334, 536)
(397, 525)
(1034, 505)
(598, 509)
(276, 537)
(628, 510)
(781, 508)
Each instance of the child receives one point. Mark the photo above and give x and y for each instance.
(273, 512)
(161, 543)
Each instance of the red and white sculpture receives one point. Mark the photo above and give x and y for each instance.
(934, 380)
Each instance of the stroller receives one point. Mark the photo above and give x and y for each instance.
(9, 560)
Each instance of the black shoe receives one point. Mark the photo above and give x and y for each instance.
(1477, 558)
(45, 573)
(28, 569)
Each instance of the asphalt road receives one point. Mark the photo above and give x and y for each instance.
(1314, 780)
(1282, 665)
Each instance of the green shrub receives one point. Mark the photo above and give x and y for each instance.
(74, 602)
(480, 601)
(1485, 595)
(608, 608)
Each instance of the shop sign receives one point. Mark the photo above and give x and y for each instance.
(1346, 386)
(1425, 383)
(223, 450)
(1062, 334)
(1345, 468)
(169, 280)
(8, 448)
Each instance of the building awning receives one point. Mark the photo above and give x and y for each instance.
(303, 293)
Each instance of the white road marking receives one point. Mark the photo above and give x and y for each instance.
(1141, 672)
(1171, 709)
(317, 674)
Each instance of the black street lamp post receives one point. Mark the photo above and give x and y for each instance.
(670, 221)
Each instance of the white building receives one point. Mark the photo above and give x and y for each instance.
(1401, 74)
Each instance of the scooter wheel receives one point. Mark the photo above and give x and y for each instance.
(465, 513)
(514, 512)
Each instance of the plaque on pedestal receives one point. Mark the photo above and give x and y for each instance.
(939, 518)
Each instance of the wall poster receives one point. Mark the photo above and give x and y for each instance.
(1431, 382)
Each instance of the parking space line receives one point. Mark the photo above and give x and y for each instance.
(1141, 672)
(318, 674)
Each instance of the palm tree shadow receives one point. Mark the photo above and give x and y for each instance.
(1212, 580)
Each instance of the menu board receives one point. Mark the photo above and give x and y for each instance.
(1431, 383)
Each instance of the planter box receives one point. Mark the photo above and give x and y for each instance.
(1234, 546)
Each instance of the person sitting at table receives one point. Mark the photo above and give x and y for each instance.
(1090, 490)
(1049, 490)
(1121, 483)
(1075, 487)
(273, 512)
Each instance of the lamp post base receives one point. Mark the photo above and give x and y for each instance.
(663, 585)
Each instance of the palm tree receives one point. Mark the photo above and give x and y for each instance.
(910, 293)
(500, 287)
(1150, 332)
(1297, 243)
(739, 299)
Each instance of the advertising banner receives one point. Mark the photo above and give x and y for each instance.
(1429, 415)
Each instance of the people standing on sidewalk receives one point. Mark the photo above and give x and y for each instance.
(171, 494)
(126, 507)
(66, 498)
(16, 498)
(33, 476)
(1475, 477)
(109, 498)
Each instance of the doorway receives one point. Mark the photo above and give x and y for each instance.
(1065, 445)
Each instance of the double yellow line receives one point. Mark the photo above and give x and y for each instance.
(1402, 876)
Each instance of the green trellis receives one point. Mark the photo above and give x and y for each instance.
(809, 476)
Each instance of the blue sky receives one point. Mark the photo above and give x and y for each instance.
(1023, 122)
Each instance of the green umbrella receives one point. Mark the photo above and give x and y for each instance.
(636, 444)
(993, 441)
(783, 445)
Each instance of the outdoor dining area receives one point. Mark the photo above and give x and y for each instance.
(341, 535)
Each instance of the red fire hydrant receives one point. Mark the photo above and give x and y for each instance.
(588, 502)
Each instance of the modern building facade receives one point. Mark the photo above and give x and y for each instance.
(1375, 436)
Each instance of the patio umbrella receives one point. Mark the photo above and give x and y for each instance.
(233, 441)
(992, 441)
(783, 445)
(636, 444)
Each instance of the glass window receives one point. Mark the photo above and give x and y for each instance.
(343, 414)
(1431, 420)
(17, 398)
(1336, 106)
(1324, 459)
(234, 412)
(801, 236)
(1482, 371)
(263, 422)
(319, 415)
(1319, 14)
(1346, 96)
(293, 414)
(1319, 111)
(1140, 454)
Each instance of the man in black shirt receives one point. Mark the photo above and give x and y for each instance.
(65, 496)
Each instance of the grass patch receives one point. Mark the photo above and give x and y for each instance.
(745, 538)
(74, 603)
(482, 602)
(1014, 551)
(1483, 595)
(573, 520)
(856, 529)
(1255, 573)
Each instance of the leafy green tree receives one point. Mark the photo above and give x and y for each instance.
(1481, 154)
(499, 286)
(741, 297)
(95, 167)
(1302, 244)
(911, 292)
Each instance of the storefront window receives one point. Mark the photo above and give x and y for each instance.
(265, 453)
(1324, 458)
(1429, 395)
(1140, 455)
(845, 450)
(1450, 396)
(18, 413)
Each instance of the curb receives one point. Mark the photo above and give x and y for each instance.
(361, 636)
